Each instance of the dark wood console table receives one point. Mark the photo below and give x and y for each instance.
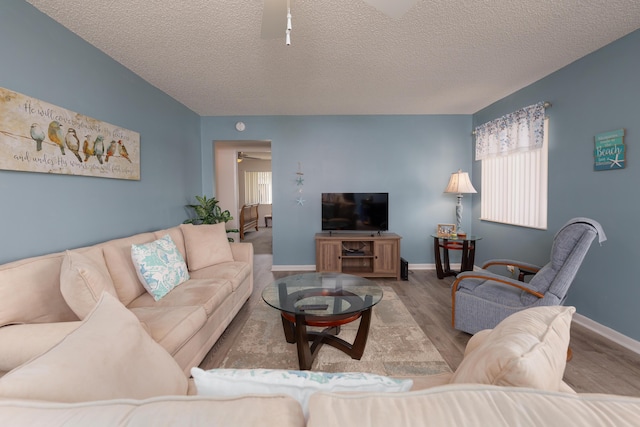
(441, 246)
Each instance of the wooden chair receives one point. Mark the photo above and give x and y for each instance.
(248, 219)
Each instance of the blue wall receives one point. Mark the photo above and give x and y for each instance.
(410, 157)
(42, 213)
(597, 93)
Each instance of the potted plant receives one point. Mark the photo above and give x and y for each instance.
(208, 212)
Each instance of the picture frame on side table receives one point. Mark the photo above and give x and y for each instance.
(446, 229)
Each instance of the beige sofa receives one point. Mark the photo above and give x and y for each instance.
(43, 299)
(455, 405)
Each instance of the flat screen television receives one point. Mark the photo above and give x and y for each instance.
(355, 211)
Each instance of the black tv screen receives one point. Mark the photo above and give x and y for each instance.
(355, 211)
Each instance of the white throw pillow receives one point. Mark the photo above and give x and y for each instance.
(298, 384)
(206, 245)
(160, 266)
(527, 349)
(109, 356)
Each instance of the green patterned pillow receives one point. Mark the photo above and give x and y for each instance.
(160, 266)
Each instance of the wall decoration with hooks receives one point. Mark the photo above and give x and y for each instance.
(299, 184)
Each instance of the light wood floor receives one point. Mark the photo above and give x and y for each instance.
(598, 365)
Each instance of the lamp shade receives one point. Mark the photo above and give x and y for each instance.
(460, 183)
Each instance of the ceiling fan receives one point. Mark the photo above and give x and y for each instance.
(276, 15)
(253, 156)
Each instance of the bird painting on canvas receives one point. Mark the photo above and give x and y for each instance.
(55, 134)
(73, 143)
(37, 134)
(123, 151)
(86, 148)
(98, 147)
(111, 150)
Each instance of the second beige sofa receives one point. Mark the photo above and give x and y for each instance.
(43, 299)
(110, 372)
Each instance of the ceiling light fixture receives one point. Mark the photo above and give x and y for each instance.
(287, 39)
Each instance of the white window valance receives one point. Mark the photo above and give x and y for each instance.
(522, 130)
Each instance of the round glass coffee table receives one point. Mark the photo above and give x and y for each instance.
(326, 300)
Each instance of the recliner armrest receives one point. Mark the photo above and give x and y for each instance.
(487, 275)
(521, 265)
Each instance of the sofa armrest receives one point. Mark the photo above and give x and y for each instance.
(428, 381)
(476, 340)
(242, 251)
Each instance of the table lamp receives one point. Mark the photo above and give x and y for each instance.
(459, 183)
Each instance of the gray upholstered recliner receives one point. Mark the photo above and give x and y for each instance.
(481, 299)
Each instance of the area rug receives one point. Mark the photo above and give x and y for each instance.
(396, 345)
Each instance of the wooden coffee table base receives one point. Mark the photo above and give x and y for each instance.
(309, 342)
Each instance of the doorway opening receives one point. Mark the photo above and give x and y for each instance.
(236, 163)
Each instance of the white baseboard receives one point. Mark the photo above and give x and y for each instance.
(606, 332)
(422, 266)
(293, 268)
(433, 267)
(313, 267)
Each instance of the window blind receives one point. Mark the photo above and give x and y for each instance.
(514, 187)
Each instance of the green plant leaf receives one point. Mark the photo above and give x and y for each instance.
(207, 211)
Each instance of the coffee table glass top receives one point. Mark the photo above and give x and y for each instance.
(322, 294)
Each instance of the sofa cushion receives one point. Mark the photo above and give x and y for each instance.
(30, 291)
(83, 280)
(473, 405)
(108, 356)
(527, 349)
(206, 244)
(171, 327)
(159, 265)
(235, 272)
(16, 349)
(208, 293)
(298, 384)
(183, 411)
(117, 254)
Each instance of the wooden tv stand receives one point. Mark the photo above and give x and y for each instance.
(360, 254)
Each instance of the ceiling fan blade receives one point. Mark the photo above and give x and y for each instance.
(394, 8)
(274, 19)
(254, 155)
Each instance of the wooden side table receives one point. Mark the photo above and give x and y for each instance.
(442, 245)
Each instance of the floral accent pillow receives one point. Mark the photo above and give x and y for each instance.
(160, 266)
(298, 384)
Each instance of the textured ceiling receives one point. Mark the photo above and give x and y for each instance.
(346, 57)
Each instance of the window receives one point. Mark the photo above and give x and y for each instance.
(514, 155)
(257, 188)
